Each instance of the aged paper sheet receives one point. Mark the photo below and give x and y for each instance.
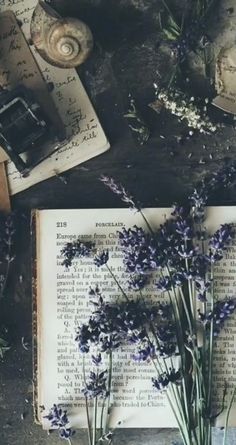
(85, 135)
(226, 80)
(64, 303)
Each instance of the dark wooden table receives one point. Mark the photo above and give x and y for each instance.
(162, 171)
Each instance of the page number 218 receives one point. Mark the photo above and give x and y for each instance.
(61, 224)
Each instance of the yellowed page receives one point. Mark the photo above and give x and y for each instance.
(226, 80)
(63, 305)
(224, 367)
(86, 138)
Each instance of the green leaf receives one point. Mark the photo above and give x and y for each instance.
(172, 23)
(169, 34)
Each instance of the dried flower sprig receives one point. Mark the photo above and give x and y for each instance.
(76, 249)
(136, 122)
(176, 338)
(185, 108)
(59, 420)
(119, 190)
(186, 33)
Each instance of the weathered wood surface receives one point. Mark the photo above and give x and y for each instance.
(159, 173)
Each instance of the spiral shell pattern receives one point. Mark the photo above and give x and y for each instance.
(68, 43)
(62, 42)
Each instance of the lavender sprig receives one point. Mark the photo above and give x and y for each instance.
(222, 310)
(162, 382)
(59, 420)
(119, 190)
(96, 386)
(77, 249)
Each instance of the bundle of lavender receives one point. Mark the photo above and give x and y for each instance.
(177, 337)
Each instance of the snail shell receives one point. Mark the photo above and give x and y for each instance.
(65, 43)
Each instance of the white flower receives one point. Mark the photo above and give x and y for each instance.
(177, 103)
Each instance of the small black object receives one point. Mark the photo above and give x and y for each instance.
(23, 127)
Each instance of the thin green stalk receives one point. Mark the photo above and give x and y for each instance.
(175, 395)
(178, 421)
(169, 11)
(95, 408)
(227, 415)
(109, 387)
(180, 341)
(117, 282)
(210, 361)
(102, 415)
(87, 409)
(146, 222)
(186, 311)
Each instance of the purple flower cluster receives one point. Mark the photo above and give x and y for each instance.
(119, 190)
(165, 378)
(219, 242)
(96, 386)
(137, 282)
(173, 244)
(77, 249)
(101, 258)
(59, 420)
(140, 250)
(221, 312)
(113, 325)
(224, 177)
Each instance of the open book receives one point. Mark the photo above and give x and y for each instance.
(85, 137)
(62, 304)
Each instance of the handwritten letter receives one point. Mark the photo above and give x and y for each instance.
(85, 137)
(226, 80)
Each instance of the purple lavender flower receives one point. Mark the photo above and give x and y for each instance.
(137, 282)
(96, 385)
(224, 177)
(145, 353)
(77, 249)
(59, 420)
(221, 312)
(101, 258)
(140, 250)
(202, 287)
(83, 338)
(219, 242)
(119, 190)
(183, 228)
(97, 359)
(113, 325)
(186, 252)
(165, 378)
(164, 284)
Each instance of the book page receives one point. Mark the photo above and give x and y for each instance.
(224, 366)
(85, 136)
(64, 305)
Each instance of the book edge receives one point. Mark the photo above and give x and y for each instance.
(34, 273)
